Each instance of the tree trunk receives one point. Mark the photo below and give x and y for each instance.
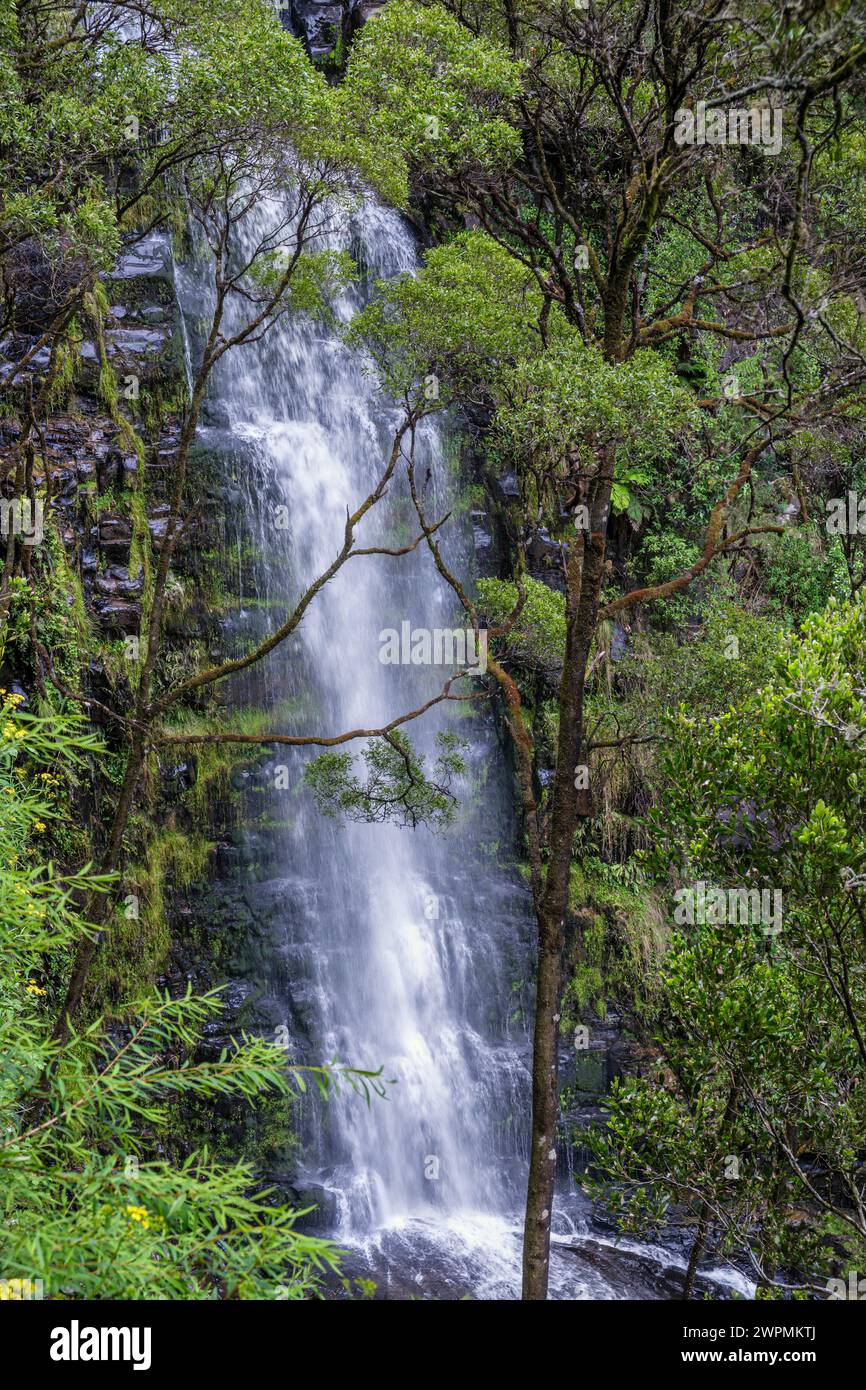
(584, 579)
(699, 1245)
(545, 1109)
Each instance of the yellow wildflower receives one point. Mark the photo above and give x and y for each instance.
(139, 1214)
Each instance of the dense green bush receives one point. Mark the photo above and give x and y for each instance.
(89, 1208)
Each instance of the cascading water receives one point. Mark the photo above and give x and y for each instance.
(381, 946)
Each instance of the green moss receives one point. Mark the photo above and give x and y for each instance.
(96, 307)
(67, 363)
(261, 1134)
(620, 936)
(65, 629)
(136, 948)
(585, 987)
(215, 761)
(140, 549)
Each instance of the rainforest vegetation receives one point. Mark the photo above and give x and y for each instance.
(639, 315)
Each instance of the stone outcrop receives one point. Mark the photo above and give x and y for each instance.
(325, 27)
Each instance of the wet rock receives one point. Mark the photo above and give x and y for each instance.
(323, 26)
(115, 537)
(148, 258)
(362, 12)
(116, 582)
(543, 550)
(507, 488)
(157, 524)
(482, 537)
(140, 342)
(619, 642)
(321, 1199)
(118, 615)
(252, 847)
(638, 1274)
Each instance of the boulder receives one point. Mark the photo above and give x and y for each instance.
(323, 26)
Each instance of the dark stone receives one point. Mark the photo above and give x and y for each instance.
(322, 27)
(619, 642)
(116, 583)
(118, 615)
(142, 342)
(157, 525)
(323, 1201)
(485, 551)
(363, 11)
(507, 488)
(543, 549)
(149, 258)
(115, 537)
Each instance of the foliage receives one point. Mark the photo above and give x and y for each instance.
(396, 786)
(753, 1117)
(430, 95)
(465, 319)
(537, 639)
(89, 1206)
(799, 578)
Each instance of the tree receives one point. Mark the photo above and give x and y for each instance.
(750, 1123)
(241, 119)
(637, 245)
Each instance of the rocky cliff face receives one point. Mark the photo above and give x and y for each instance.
(326, 26)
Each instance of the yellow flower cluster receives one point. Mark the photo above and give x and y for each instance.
(139, 1214)
(33, 988)
(10, 732)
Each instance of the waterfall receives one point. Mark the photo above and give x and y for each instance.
(391, 947)
(380, 946)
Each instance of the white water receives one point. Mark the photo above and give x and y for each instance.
(384, 947)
